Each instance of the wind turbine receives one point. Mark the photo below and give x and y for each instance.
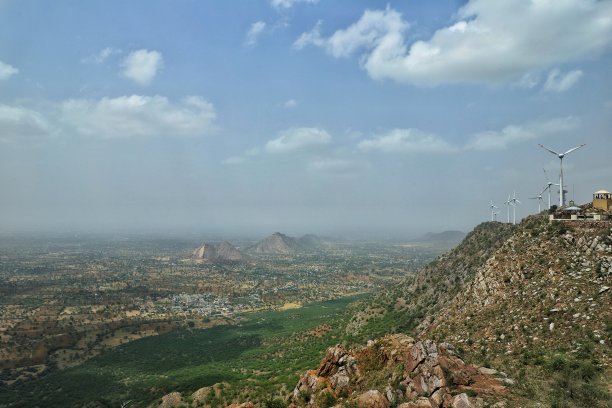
(493, 213)
(539, 198)
(549, 184)
(508, 204)
(514, 201)
(561, 156)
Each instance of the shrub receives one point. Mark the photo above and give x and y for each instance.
(275, 403)
(325, 400)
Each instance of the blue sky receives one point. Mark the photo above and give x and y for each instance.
(333, 117)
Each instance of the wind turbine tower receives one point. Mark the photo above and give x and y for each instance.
(508, 201)
(549, 184)
(539, 198)
(493, 213)
(514, 201)
(561, 156)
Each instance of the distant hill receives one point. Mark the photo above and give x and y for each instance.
(279, 243)
(218, 252)
(445, 236)
(276, 243)
(311, 241)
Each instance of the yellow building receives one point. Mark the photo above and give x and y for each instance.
(602, 200)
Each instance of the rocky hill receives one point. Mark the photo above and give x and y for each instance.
(311, 242)
(541, 305)
(276, 243)
(218, 252)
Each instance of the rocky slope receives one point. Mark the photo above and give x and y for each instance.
(419, 297)
(218, 252)
(542, 298)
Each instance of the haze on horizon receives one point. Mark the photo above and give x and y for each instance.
(300, 116)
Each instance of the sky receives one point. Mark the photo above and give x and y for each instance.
(302, 116)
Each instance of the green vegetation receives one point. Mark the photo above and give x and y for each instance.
(259, 358)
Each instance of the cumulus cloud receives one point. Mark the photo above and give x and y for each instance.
(365, 33)
(501, 139)
(559, 82)
(7, 71)
(139, 116)
(141, 66)
(253, 34)
(312, 37)
(295, 139)
(101, 56)
(287, 4)
(492, 41)
(406, 141)
(17, 123)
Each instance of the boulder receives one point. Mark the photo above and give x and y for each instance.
(172, 400)
(463, 401)
(372, 399)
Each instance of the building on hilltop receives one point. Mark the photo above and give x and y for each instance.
(602, 200)
(599, 209)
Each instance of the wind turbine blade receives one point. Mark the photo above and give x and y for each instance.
(575, 148)
(518, 201)
(545, 148)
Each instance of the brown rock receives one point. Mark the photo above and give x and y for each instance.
(463, 401)
(171, 400)
(372, 399)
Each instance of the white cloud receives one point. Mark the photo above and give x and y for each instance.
(297, 139)
(501, 139)
(7, 71)
(291, 103)
(406, 141)
(493, 41)
(141, 66)
(101, 56)
(312, 37)
(139, 116)
(287, 4)
(367, 32)
(253, 34)
(558, 82)
(17, 123)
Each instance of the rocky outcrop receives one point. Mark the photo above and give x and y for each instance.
(172, 400)
(217, 252)
(410, 374)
